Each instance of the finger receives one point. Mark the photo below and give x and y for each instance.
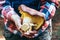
(29, 36)
(33, 32)
(27, 33)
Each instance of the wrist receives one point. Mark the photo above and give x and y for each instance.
(17, 21)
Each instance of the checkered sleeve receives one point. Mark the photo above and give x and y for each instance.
(49, 11)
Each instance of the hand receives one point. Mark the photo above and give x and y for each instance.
(31, 34)
(24, 8)
(27, 9)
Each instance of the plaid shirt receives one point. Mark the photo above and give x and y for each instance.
(48, 9)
